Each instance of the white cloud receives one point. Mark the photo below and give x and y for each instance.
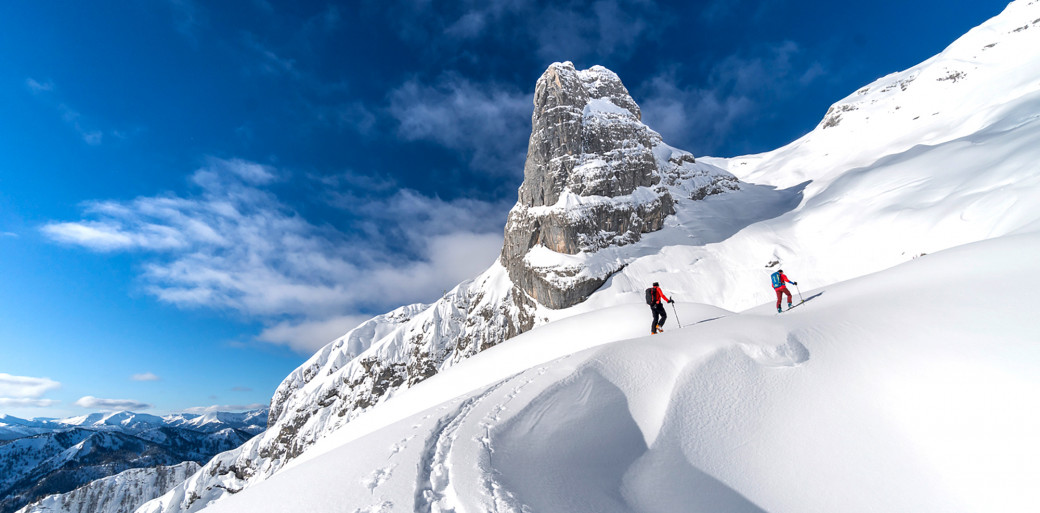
(70, 116)
(147, 376)
(21, 387)
(270, 62)
(488, 122)
(96, 403)
(111, 236)
(310, 335)
(39, 87)
(235, 245)
(224, 408)
(606, 28)
(452, 259)
(27, 403)
(556, 30)
(188, 17)
(250, 172)
(737, 92)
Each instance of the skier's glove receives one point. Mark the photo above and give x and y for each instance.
(794, 282)
(671, 300)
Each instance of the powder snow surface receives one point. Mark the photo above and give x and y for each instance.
(907, 381)
(904, 390)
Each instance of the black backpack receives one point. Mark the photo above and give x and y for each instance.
(650, 296)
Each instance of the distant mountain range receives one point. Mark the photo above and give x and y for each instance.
(252, 422)
(120, 493)
(40, 457)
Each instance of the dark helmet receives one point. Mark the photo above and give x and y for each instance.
(779, 270)
(656, 284)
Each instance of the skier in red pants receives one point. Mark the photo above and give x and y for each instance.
(780, 282)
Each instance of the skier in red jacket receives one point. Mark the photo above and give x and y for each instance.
(780, 282)
(658, 309)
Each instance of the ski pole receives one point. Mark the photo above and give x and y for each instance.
(676, 315)
(799, 293)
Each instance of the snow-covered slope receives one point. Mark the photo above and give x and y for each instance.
(120, 493)
(871, 188)
(891, 392)
(14, 427)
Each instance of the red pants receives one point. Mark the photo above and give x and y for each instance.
(780, 293)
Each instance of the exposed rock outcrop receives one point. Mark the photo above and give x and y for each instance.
(592, 180)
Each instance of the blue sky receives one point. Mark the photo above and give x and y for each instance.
(195, 196)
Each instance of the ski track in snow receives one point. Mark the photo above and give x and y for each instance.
(434, 490)
(378, 477)
(433, 493)
(399, 446)
(502, 500)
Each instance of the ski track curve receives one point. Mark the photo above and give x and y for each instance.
(501, 499)
(434, 491)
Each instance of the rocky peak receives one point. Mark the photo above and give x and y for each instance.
(579, 116)
(591, 180)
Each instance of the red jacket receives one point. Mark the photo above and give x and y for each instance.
(659, 295)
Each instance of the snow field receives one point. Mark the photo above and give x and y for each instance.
(886, 393)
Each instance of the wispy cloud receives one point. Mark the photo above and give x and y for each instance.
(188, 18)
(25, 387)
(225, 407)
(269, 61)
(16, 402)
(607, 28)
(307, 335)
(488, 122)
(147, 376)
(738, 92)
(97, 403)
(39, 87)
(235, 245)
(553, 30)
(70, 116)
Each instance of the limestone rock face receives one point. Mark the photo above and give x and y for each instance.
(591, 181)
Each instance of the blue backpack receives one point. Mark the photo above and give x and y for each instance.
(776, 280)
